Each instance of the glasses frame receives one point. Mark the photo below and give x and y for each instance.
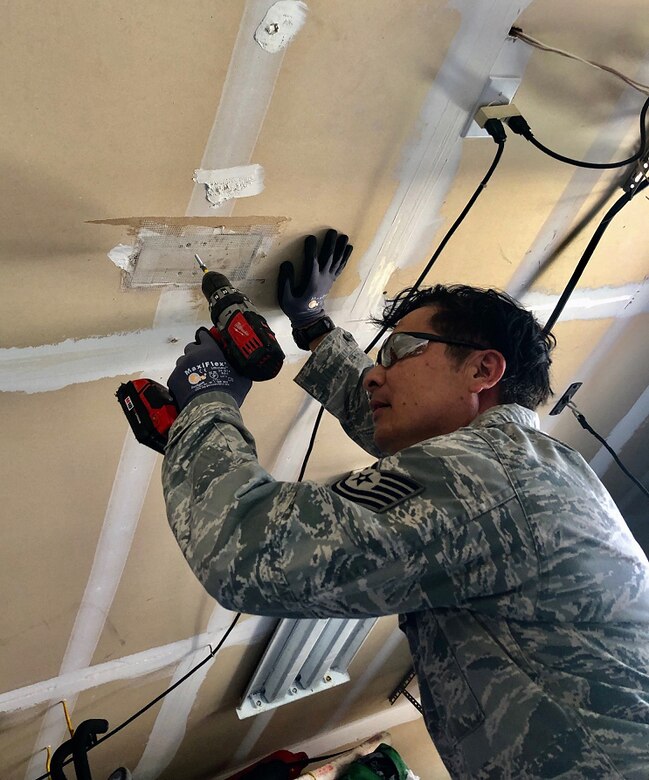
(424, 337)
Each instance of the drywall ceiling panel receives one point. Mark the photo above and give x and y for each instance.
(598, 30)
(630, 500)
(106, 111)
(575, 339)
(557, 97)
(332, 142)
(17, 738)
(158, 600)
(115, 703)
(110, 109)
(620, 376)
(60, 451)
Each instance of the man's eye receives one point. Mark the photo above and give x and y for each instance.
(417, 349)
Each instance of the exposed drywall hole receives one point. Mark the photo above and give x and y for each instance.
(226, 183)
(162, 254)
(281, 24)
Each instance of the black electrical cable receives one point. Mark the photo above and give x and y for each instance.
(521, 127)
(619, 204)
(584, 424)
(157, 698)
(497, 132)
(309, 449)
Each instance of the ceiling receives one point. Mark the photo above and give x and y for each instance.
(357, 121)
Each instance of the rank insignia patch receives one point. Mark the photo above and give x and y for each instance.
(375, 489)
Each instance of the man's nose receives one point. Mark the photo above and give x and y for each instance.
(373, 378)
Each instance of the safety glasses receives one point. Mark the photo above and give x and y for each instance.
(406, 344)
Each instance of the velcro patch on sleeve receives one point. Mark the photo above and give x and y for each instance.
(375, 489)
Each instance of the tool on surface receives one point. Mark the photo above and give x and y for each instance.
(248, 344)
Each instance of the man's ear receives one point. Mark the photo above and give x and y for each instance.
(486, 369)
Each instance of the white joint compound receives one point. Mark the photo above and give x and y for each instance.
(227, 183)
(122, 256)
(280, 25)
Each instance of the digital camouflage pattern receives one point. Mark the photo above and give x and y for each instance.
(523, 595)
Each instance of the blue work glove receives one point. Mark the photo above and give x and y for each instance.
(303, 303)
(202, 368)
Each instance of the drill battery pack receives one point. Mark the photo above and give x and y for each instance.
(150, 410)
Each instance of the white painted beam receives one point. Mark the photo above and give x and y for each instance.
(613, 340)
(479, 50)
(621, 434)
(127, 496)
(245, 97)
(171, 722)
(621, 122)
(154, 351)
(131, 667)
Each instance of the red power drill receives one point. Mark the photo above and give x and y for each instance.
(247, 342)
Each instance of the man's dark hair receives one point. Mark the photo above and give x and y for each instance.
(492, 318)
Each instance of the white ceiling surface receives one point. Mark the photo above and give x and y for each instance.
(430, 163)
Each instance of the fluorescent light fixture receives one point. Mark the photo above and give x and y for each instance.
(304, 657)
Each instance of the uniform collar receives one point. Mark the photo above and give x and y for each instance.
(507, 413)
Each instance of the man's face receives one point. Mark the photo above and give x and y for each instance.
(420, 396)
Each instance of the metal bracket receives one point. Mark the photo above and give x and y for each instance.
(400, 690)
(565, 398)
(639, 176)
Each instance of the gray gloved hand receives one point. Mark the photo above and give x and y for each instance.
(202, 368)
(303, 303)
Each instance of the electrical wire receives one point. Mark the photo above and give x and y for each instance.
(619, 204)
(585, 425)
(157, 698)
(500, 140)
(519, 125)
(517, 32)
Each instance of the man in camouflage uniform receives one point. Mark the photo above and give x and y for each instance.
(523, 595)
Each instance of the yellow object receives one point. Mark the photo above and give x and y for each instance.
(67, 717)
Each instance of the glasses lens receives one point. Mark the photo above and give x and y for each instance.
(398, 346)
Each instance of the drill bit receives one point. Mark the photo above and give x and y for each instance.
(201, 264)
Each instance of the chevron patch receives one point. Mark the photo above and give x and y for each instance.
(375, 489)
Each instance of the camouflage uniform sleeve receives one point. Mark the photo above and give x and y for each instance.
(333, 375)
(417, 530)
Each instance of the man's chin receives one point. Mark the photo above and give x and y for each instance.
(385, 442)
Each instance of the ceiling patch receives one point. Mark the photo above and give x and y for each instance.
(163, 252)
(227, 183)
(281, 24)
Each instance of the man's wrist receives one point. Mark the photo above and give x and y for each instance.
(309, 336)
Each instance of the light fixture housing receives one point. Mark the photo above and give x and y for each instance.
(303, 657)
